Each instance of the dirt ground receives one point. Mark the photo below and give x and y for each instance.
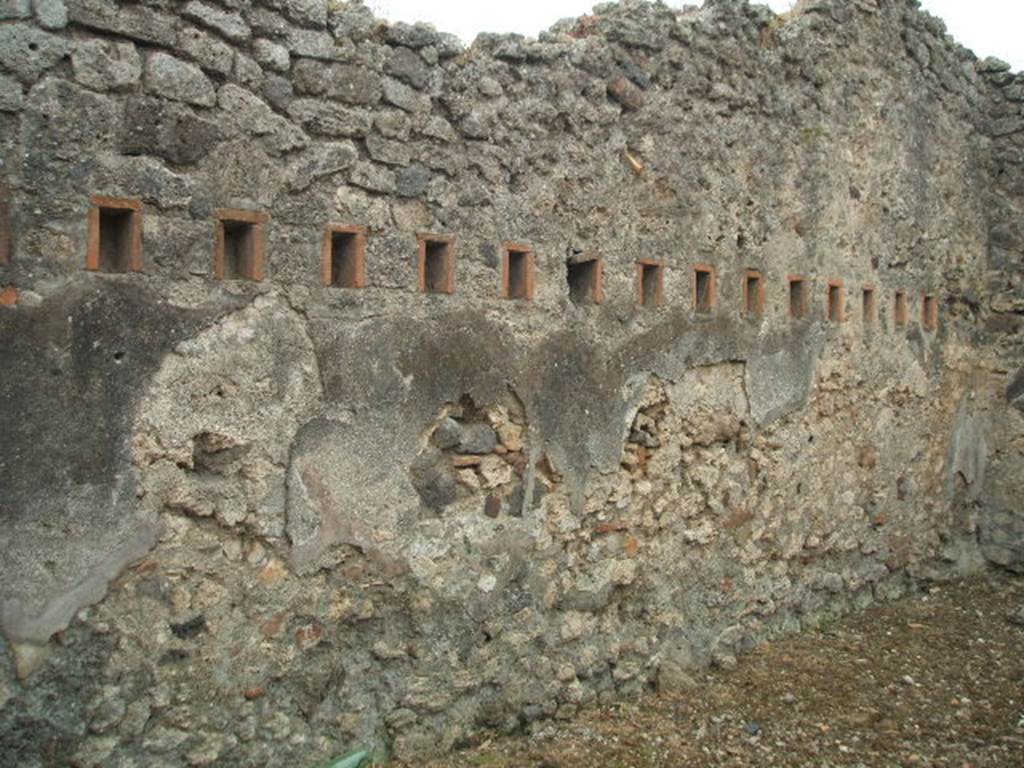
(934, 680)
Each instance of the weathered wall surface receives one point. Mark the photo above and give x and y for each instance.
(251, 522)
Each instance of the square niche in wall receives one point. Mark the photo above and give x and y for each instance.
(797, 297)
(703, 289)
(239, 252)
(436, 264)
(115, 234)
(836, 301)
(517, 271)
(753, 294)
(868, 305)
(585, 276)
(899, 309)
(650, 283)
(929, 312)
(344, 256)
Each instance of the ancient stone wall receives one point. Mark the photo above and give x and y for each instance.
(360, 388)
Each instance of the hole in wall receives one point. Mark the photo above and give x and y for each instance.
(519, 273)
(868, 308)
(115, 240)
(437, 265)
(651, 282)
(899, 309)
(475, 461)
(929, 312)
(584, 280)
(835, 302)
(753, 293)
(239, 250)
(703, 289)
(797, 298)
(345, 258)
(115, 235)
(240, 245)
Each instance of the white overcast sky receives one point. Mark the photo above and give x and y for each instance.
(988, 27)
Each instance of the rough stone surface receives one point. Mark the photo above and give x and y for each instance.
(206, 50)
(405, 65)
(328, 119)
(51, 14)
(176, 79)
(138, 22)
(15, 9)
(28, 52)
(230, 24)
(344, 82)
(271, 55)
(11, 95)
(166, 129)
(267, 522)
(106, 66)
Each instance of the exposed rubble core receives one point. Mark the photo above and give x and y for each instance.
(363, 389)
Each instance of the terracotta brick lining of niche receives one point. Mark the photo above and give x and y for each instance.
(355, 272)
(253, 267)
(518, 279)
(100, 205)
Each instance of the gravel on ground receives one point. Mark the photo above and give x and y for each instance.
(934, 680)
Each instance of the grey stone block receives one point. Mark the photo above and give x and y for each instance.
(28, 52)
(227, 23)
(348, 83)
(166, 129)
(271, 55)
(138, 22)
(306, 12)
(407, 66)
(106, 66)
(477, 439)
(176, 79)
(51, 14)
(329, 119)
(15, 9)
(206, 50)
